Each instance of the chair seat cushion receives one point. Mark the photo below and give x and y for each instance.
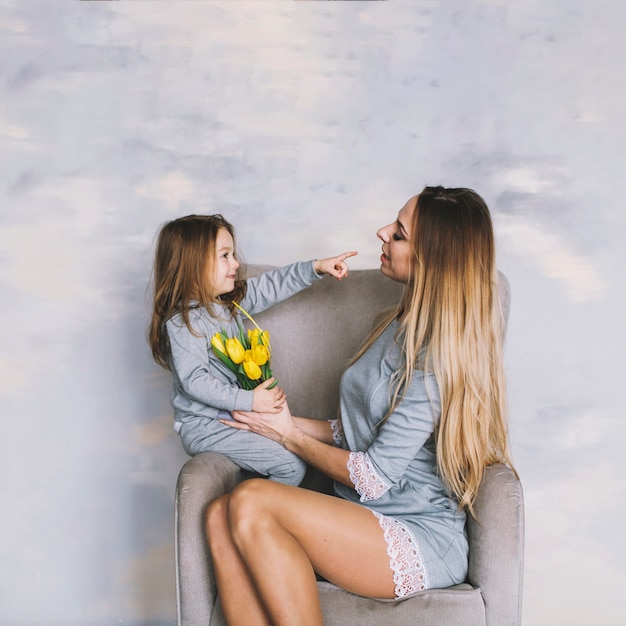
(461, 605)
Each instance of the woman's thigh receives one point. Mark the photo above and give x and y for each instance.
(343, 540)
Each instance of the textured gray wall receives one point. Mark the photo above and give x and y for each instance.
(308, 124)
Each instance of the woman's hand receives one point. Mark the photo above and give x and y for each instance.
(335, 266)
(300, 436)
(276, 426)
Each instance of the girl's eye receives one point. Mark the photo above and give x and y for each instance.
(397, 237)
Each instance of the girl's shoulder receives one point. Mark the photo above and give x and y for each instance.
(200, 318)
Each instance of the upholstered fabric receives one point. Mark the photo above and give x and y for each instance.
(431, 608)
(312, 335)
(496, 539)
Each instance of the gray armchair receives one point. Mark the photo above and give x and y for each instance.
(312, 335)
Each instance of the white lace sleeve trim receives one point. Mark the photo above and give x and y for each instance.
(405, 557)
(335, 426)
(366, 480)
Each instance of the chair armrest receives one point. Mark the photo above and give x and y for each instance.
(496, 537)
(201, 480)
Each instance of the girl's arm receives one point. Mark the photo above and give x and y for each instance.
(281, 283)
(197, 379)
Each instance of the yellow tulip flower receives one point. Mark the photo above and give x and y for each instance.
(257, 337)
(260, 354)
(217, 343)
(252, 370)
(235, 350)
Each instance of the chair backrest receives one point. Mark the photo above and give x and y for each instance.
(324, 325)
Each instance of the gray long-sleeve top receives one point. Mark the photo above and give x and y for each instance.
(394, 466)
(203, 386)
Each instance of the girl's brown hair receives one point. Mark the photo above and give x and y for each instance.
(184, 259)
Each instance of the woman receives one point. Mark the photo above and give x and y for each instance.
(423, 411)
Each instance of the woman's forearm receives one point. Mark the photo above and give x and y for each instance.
(318, 429)
(327, 458)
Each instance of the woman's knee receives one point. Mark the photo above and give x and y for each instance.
(216, 518)
(254, 492)
(250, 506)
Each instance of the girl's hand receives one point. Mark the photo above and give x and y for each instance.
(335, 266)
(268, 400)
(275, 426)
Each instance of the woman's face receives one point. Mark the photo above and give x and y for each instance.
(397, 248)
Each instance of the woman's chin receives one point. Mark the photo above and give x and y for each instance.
(384, 270)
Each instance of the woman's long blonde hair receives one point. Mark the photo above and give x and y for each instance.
(452, 326)
(184, 258)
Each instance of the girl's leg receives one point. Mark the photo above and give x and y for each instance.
(240, 601)
(285, 534)
(249, 451)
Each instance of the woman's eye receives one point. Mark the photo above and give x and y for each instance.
(397, 237)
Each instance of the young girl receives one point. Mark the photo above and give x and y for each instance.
(196, 287)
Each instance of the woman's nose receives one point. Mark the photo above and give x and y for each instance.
(382, 234)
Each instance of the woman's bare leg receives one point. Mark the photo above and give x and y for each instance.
(284, 534)
(240, 602)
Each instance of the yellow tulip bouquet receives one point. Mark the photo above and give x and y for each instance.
(247, 356)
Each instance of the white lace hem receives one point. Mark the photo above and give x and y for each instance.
(366, 480)
(335, 426)
(405, 558)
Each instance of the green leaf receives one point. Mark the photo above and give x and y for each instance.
(267, 374)
(244, 381)
(242, 338)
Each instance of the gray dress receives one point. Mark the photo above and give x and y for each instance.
(394, 470)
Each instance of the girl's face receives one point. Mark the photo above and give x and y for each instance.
(225, 264)
(397, 248)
